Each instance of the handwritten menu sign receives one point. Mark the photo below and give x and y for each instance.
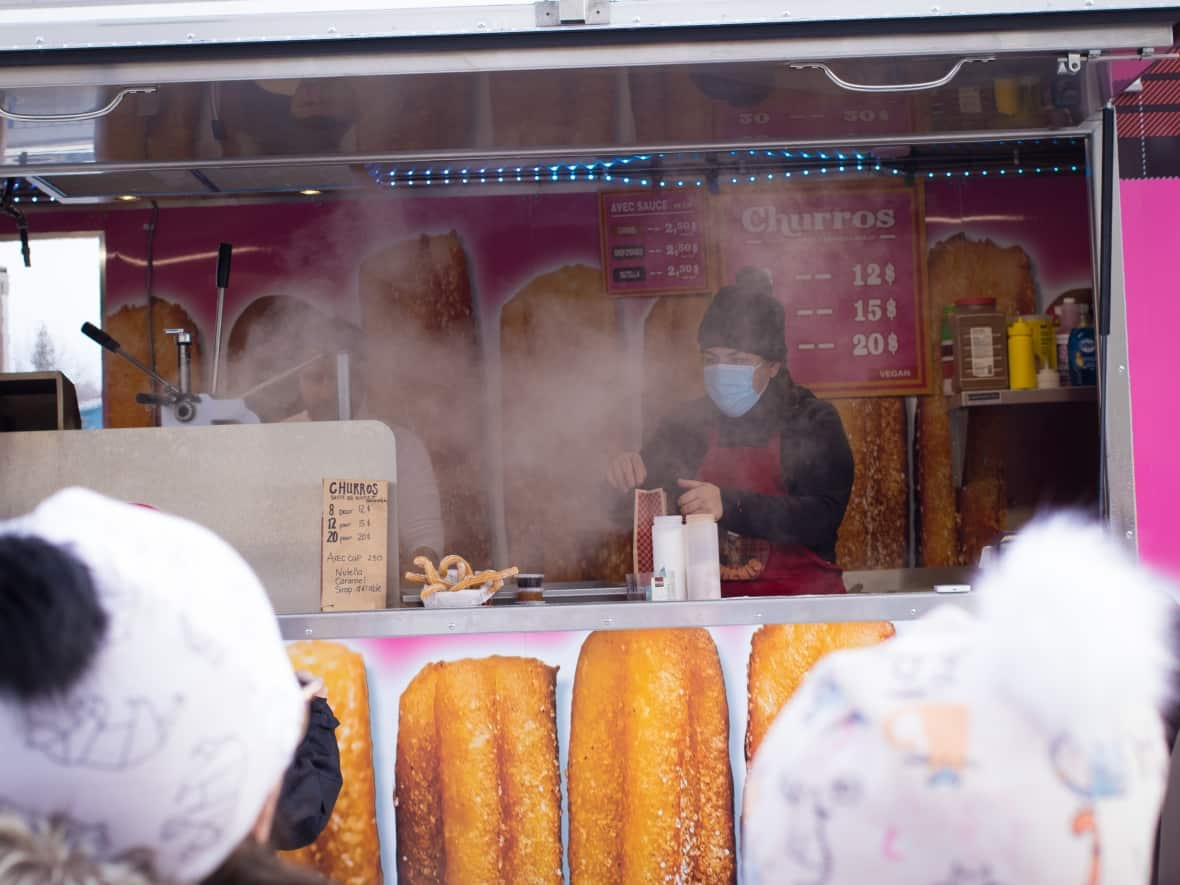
(354, 544)
(653, 243)
(847, 262)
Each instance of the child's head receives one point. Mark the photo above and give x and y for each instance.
(147, 706)
(1023, 746)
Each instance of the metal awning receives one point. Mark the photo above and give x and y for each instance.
(74, 24)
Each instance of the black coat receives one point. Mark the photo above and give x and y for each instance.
(312, 783)
(816, 460)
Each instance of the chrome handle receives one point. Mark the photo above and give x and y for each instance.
(891, 87)
(81, 115)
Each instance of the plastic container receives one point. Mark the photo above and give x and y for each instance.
(1083, 357)
(947, 352)
(1063, 357)
(1044, 340)
(1022, 373)
(1048, 379)
(530, 589)
(702, 557)
(667, 536)
(1069, 317)
(1069, 314)
(980, 335)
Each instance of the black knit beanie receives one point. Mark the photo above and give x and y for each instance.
(746, 317)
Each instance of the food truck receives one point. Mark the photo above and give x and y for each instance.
(387, 288)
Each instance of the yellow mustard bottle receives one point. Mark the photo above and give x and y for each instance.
(1022, 372)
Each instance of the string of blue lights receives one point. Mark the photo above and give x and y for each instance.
(632, 170)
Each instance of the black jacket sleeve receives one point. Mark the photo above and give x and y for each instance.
(312, 783)
(676, 450)
(818, 470)
(673, 452)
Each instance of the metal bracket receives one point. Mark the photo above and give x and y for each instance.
(1069, 64)
(553, 13)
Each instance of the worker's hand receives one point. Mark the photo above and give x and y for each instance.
(627, 471)
(701, 497)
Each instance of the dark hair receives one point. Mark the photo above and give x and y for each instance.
(51, 622)
(252, 863)
(746, 317)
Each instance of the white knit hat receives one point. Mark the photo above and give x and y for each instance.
(1024, 747)
(189, 714)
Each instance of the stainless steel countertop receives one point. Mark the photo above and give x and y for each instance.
(618, 615)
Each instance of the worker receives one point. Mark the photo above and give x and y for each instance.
(278, 333)
(761, 455)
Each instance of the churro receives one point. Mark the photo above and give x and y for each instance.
(438, 580)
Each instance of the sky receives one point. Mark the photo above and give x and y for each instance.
(63, 289)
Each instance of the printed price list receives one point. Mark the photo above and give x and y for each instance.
(653, 243)
(845, 264)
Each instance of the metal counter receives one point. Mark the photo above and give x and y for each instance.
(622, 614)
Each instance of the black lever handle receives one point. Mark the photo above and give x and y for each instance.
(152, 399)
(98, 336)
(224, 253)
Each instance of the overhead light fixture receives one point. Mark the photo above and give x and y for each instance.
(127, 198)
(310, 192)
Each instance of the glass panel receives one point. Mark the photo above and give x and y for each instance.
(43, 306)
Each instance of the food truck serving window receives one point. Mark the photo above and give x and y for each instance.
(837, 300)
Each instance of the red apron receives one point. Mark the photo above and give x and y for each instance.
(786, 569)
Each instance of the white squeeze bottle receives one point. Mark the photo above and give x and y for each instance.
(702, 557)
(667, 537)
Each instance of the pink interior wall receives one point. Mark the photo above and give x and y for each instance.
(1151, 248)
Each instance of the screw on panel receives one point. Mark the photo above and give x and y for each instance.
(308, 632)
(1122, 370)
(1130, 534)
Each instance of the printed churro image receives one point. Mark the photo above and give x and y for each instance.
(347, 851)
(478, 784)
(782, 654)
(650, 785)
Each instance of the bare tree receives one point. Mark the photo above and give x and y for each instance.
(44, 358)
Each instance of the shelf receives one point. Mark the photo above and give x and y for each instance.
(571, 614)
(972, 399)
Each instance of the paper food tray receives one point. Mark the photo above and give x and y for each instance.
(472, 598)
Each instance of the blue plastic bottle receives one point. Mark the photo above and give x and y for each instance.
(1083, 357)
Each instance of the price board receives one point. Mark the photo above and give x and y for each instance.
(788, 113)
(354, 544)
(847, 262)
(653, 242)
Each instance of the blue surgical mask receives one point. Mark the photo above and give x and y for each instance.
(731, 388)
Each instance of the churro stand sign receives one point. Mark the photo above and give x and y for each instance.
(653, 243)
(354, 545)
(847, 263)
